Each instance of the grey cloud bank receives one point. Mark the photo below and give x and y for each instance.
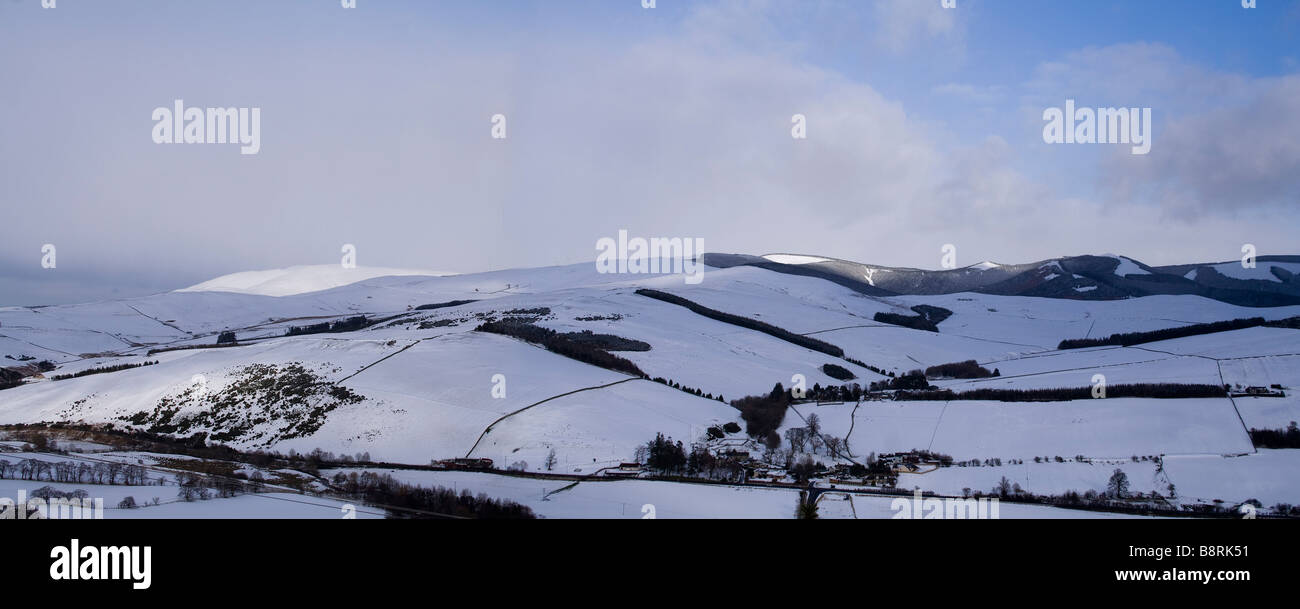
(375, 130)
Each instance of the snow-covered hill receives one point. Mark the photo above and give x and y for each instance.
(418, 383)
(299, 279)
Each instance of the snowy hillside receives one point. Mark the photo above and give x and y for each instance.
(389, 363)
(298, 279)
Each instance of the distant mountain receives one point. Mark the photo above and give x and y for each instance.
(300, 279)
(1275, 280)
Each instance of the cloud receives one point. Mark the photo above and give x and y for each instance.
(386, 146)
(903, 25)
(1223, 160)
(1138, 73)
(1222, 142)
(678, 130)
(984, 95)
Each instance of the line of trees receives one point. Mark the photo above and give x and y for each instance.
(969, 369)
(806, 342)
(157, 350)
(350, 324)
(75, 472)
(1290, 322)
(915, 322)
(557, 343)
(691, 390)
(745, 322)
(834, 393)
(443, 305)
(101, 370)
(193, 486)
(1117, 497)
(913, 380)
(197, 445)
(608, 342)
(402, 500)
(880, 371)
(1128, 339)
(1276, 438)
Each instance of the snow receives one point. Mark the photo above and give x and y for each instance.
(1045, 322)
(1250, 342)
(1261, 272)
(1128, 267)
(637, 499)
(601, 428)
(433, 400)
(1268, 476)
(275, 503)
(1046, 478)
(799, 304)
(299, 279)
(1076, 369)
(794, 259)
(716, 357)
(1106, 428)
(985, 266)
(271, 506)
(429, 392)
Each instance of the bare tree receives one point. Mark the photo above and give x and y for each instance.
(833, 446)
(814, 424)
(815, 431)
(1117, 486)
(797, 438)
(257, 482)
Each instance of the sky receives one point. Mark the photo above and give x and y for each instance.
(924, 127)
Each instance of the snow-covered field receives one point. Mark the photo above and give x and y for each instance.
(431, 388)
(253, 506)
(643, 498)
(1268, 476)
(157, 497)
(1046, 478)
(600, 428)
(1111, 428)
